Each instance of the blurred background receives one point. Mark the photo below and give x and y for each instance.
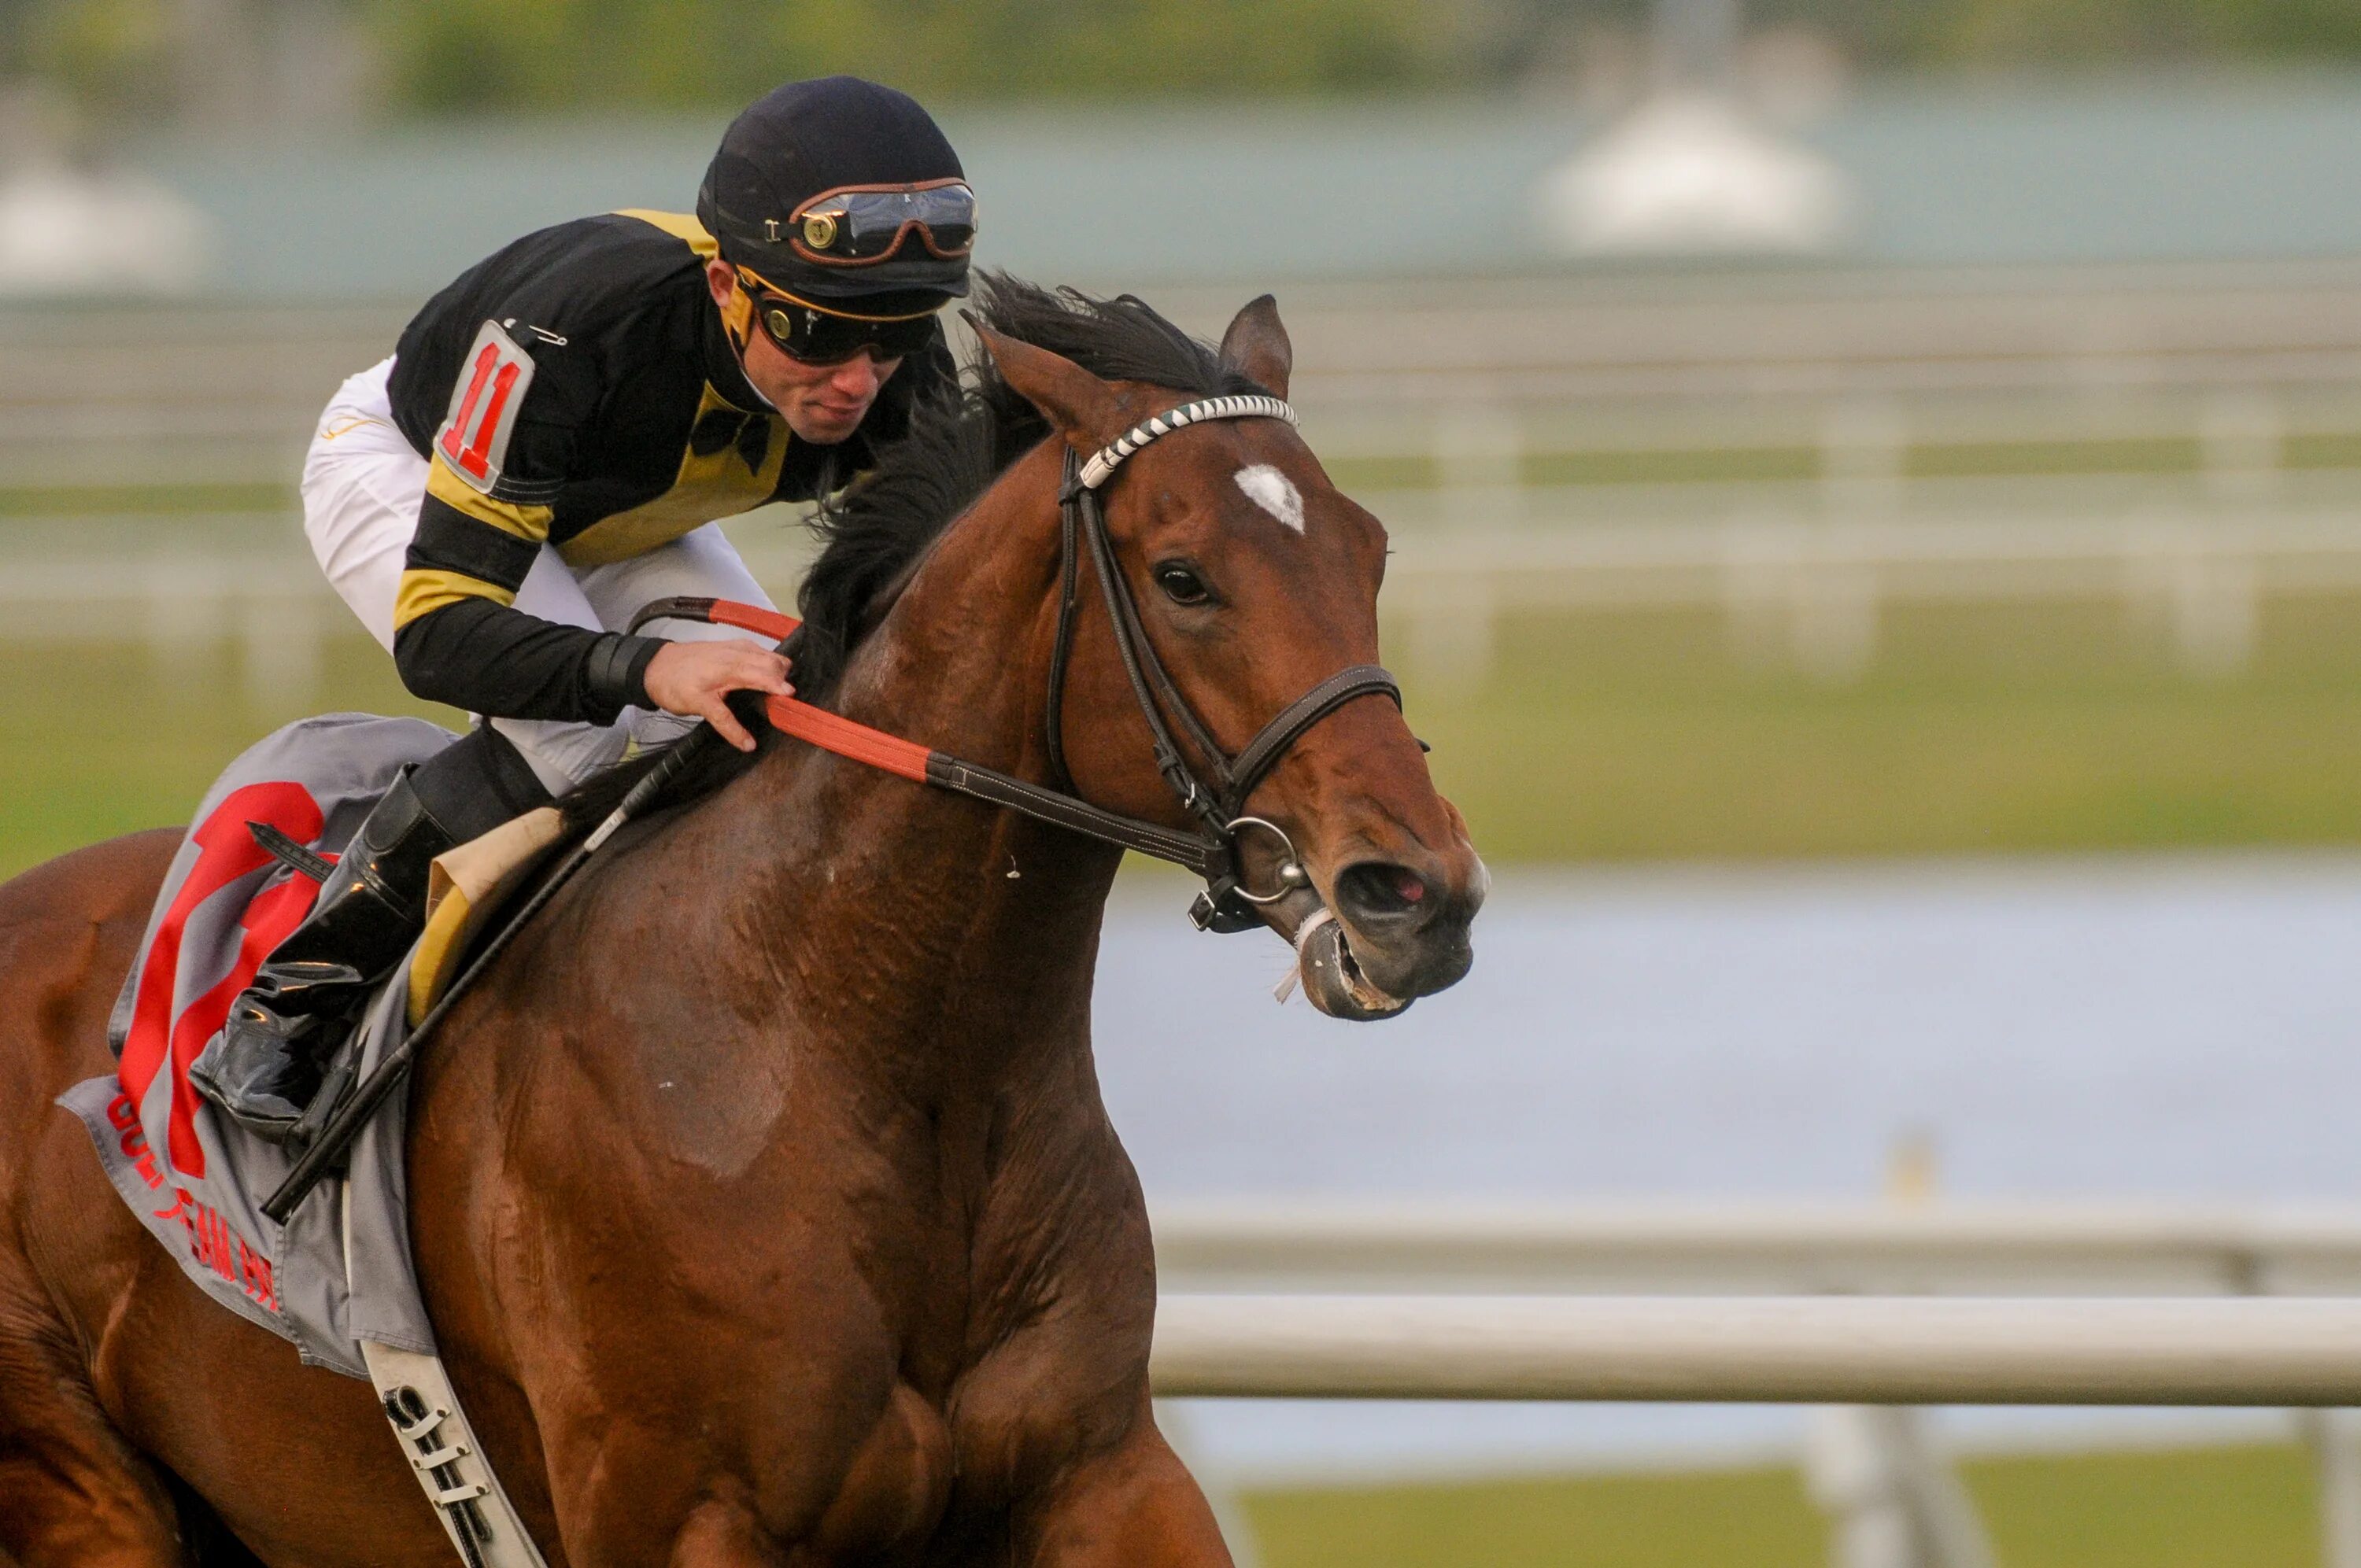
(1874, 489)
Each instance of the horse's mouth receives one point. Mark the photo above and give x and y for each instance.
(1332, 977)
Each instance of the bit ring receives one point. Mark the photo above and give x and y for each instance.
(1292, 874)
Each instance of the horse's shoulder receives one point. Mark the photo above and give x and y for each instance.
(100, 884)
(68, 928)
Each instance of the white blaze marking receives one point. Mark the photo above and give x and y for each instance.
(1274, 492)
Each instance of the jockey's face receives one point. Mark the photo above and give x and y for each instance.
(821, 403)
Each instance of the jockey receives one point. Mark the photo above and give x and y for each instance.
(546, 452)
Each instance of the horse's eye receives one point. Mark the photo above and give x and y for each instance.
(1181, 584)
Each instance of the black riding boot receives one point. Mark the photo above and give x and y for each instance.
(267, 1064)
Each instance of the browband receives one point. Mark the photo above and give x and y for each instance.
(1101, 465)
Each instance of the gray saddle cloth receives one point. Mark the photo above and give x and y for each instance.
(194, 1179)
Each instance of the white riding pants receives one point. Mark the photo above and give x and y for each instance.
(363, 484)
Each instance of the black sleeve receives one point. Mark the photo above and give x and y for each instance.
(484, 656)
(501, 451)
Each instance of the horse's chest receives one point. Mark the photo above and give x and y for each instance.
(897, 1484)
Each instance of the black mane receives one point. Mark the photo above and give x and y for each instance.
(958, 443)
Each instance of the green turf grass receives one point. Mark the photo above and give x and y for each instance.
(1737, 1518)
(107, 737)
(1642, 736)
(1772, 463)
(2246, 1506)
(2251, 1506)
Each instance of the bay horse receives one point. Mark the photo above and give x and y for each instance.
(765, 1200)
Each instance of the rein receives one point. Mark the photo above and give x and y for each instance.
(1218, 803)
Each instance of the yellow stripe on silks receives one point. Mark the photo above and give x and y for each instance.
(528, 523)
(423, 591)
(466, 886)
(681, 226)
(717, 485)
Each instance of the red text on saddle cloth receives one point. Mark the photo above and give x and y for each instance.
(212, 1240)
(822, 729)
(226, 852)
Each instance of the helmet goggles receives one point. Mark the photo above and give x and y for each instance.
(818, 335)
(860, 225)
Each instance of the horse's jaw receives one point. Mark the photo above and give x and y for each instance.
(1332, 978)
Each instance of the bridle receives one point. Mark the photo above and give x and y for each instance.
(1216, 799)
(1218, 804)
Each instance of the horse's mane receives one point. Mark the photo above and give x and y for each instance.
(876, 531)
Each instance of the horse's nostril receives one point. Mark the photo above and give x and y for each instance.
(1374, 890)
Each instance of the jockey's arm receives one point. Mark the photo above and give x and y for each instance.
(458, 638)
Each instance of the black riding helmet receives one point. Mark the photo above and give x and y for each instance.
(888, 241)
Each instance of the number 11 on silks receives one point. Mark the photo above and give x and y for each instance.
(475, 438)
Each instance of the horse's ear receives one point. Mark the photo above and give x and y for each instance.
(1080, 404)
(1256, 343)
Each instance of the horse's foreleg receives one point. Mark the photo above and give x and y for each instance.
(1135, 1506)
(72, 1492)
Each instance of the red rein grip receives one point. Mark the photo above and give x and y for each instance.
(751, 617)
(831, 733)
(824, 729)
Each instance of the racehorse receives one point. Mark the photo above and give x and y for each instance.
(765, 1205)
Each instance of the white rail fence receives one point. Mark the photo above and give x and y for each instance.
(1884, 1350)
(1805, 589)
(1703, 361)
(2242, 379)
(1814, 591)
(2107, 1304)
(1886, 1247)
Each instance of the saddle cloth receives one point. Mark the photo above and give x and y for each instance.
(339, 1272)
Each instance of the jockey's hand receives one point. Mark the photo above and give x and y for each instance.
(695, 680)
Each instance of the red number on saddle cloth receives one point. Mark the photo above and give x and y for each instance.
(227, 852)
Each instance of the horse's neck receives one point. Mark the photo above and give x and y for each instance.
(960, 661)
(961, 929)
